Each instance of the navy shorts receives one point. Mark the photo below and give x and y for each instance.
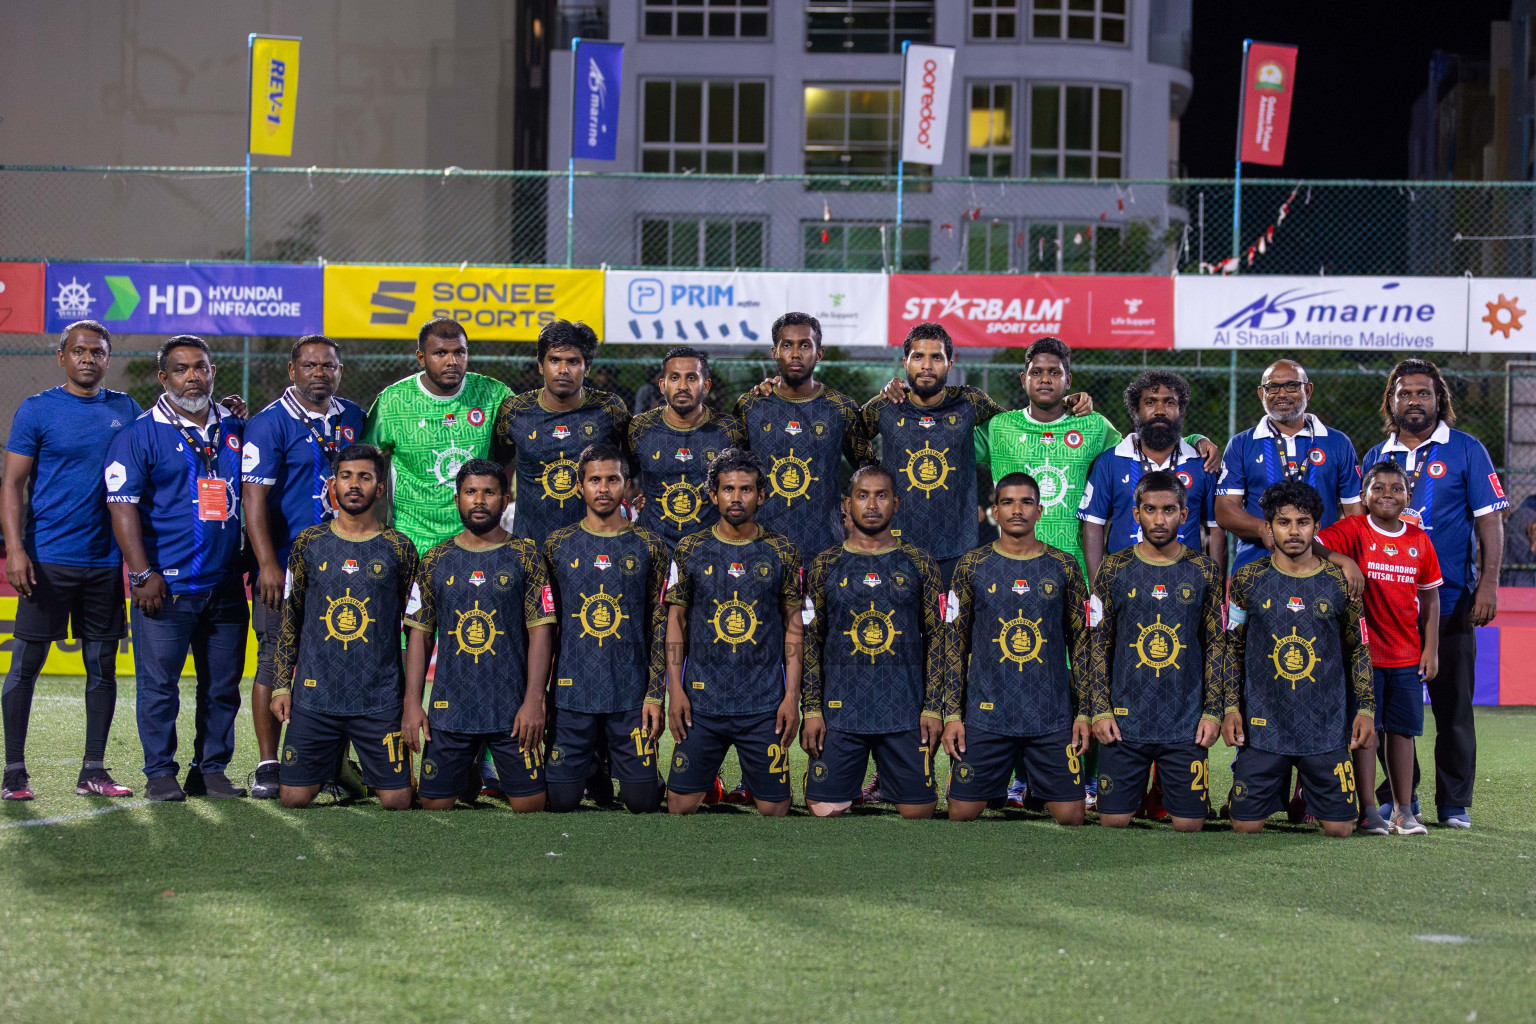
(764, 760)
(1260, 780)
(1399, 700)
(1182, 769)
(86, 601)
(313, 745)
(578, 739)
(904, 761)
(451, 761)
(1055, 773)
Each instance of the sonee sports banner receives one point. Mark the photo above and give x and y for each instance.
(493, 303)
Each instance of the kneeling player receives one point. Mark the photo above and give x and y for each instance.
(874, 661)
(610, 681)
(479, 592)
(339, 677)
(1026, 598)
(1155, 663)
(734, 646)
(1298, 671)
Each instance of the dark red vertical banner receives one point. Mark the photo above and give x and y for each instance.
(1269, 78)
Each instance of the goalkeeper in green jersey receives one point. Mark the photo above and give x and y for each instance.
(1055, 447)
(430, 424)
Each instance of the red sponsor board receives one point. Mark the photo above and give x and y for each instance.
(21, 298)
(1269, 78)
(1013, 310)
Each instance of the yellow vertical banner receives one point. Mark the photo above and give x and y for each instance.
(274, 94)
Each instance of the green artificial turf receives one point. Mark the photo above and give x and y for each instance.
(240, 910)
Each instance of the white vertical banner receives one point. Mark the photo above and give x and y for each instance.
(925, 83)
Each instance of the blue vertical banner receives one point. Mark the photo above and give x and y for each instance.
(595, 100)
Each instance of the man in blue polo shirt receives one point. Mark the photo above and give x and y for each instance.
(1455, 496)
(1155, 402)
(173, 490)
(65, 566)
(285, 472)
(1289, 443)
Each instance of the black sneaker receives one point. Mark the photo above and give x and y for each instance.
(265, 786)
(16, 785)
(194, 784)
(214, 784)
(164, 789)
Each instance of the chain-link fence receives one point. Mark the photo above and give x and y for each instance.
(983, 225)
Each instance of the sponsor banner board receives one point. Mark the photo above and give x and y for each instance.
(595, 101)
(1391, 314)
(274, 94)
(1499, 315)
(64, 656)
(696, 307)
(21, 298)
(1013, 310)
(493, 303)
(185, 298)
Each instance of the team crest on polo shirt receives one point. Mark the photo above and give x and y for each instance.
(1047, 438)
(1185, 479)
(1390, 549)
(562, 432)
(1020, 587)
(1318, 457)
(603, 562)
(347, 434)
(449, 419)
(1413, 552)
(927, 422)
(793, 427)
(684, 455)
(737, 569)
(871, 579)
(349, 566)
(1159, 592)
(1074, 439)
(232, 443)
(1296, 604)
(1436, 469)
(477, 578)
(476, 417)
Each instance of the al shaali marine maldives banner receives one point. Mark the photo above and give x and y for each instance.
(180, 298)
(1391, 314)
(693, 307)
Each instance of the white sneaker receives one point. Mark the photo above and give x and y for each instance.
(1405, 824)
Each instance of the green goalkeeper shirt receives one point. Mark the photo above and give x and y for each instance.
(1058, 454)
(428, 437)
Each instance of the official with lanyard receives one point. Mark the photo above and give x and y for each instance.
(172, 491)
(1289, 443)
(1454, 494)
(286, 469)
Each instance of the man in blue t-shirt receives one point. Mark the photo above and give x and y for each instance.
(286, 472)
(64, 565)
(1289, 443)
(1455, 496)
(173, 490)
(1155, 402)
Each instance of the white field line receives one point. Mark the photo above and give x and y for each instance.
(59, 819)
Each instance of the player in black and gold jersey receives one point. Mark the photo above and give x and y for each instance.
(486, 596)
(874, 661)
(734, 642)
(540, 433)
(927, 443)
(1017, 613)
(674, 445)
(339, 676)
(802, 430)
(1155, 666)
(1298, 673)
(610, 677)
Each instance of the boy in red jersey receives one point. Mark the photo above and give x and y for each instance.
(1402, 614)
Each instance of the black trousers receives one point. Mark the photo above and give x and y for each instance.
(1450, 699)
